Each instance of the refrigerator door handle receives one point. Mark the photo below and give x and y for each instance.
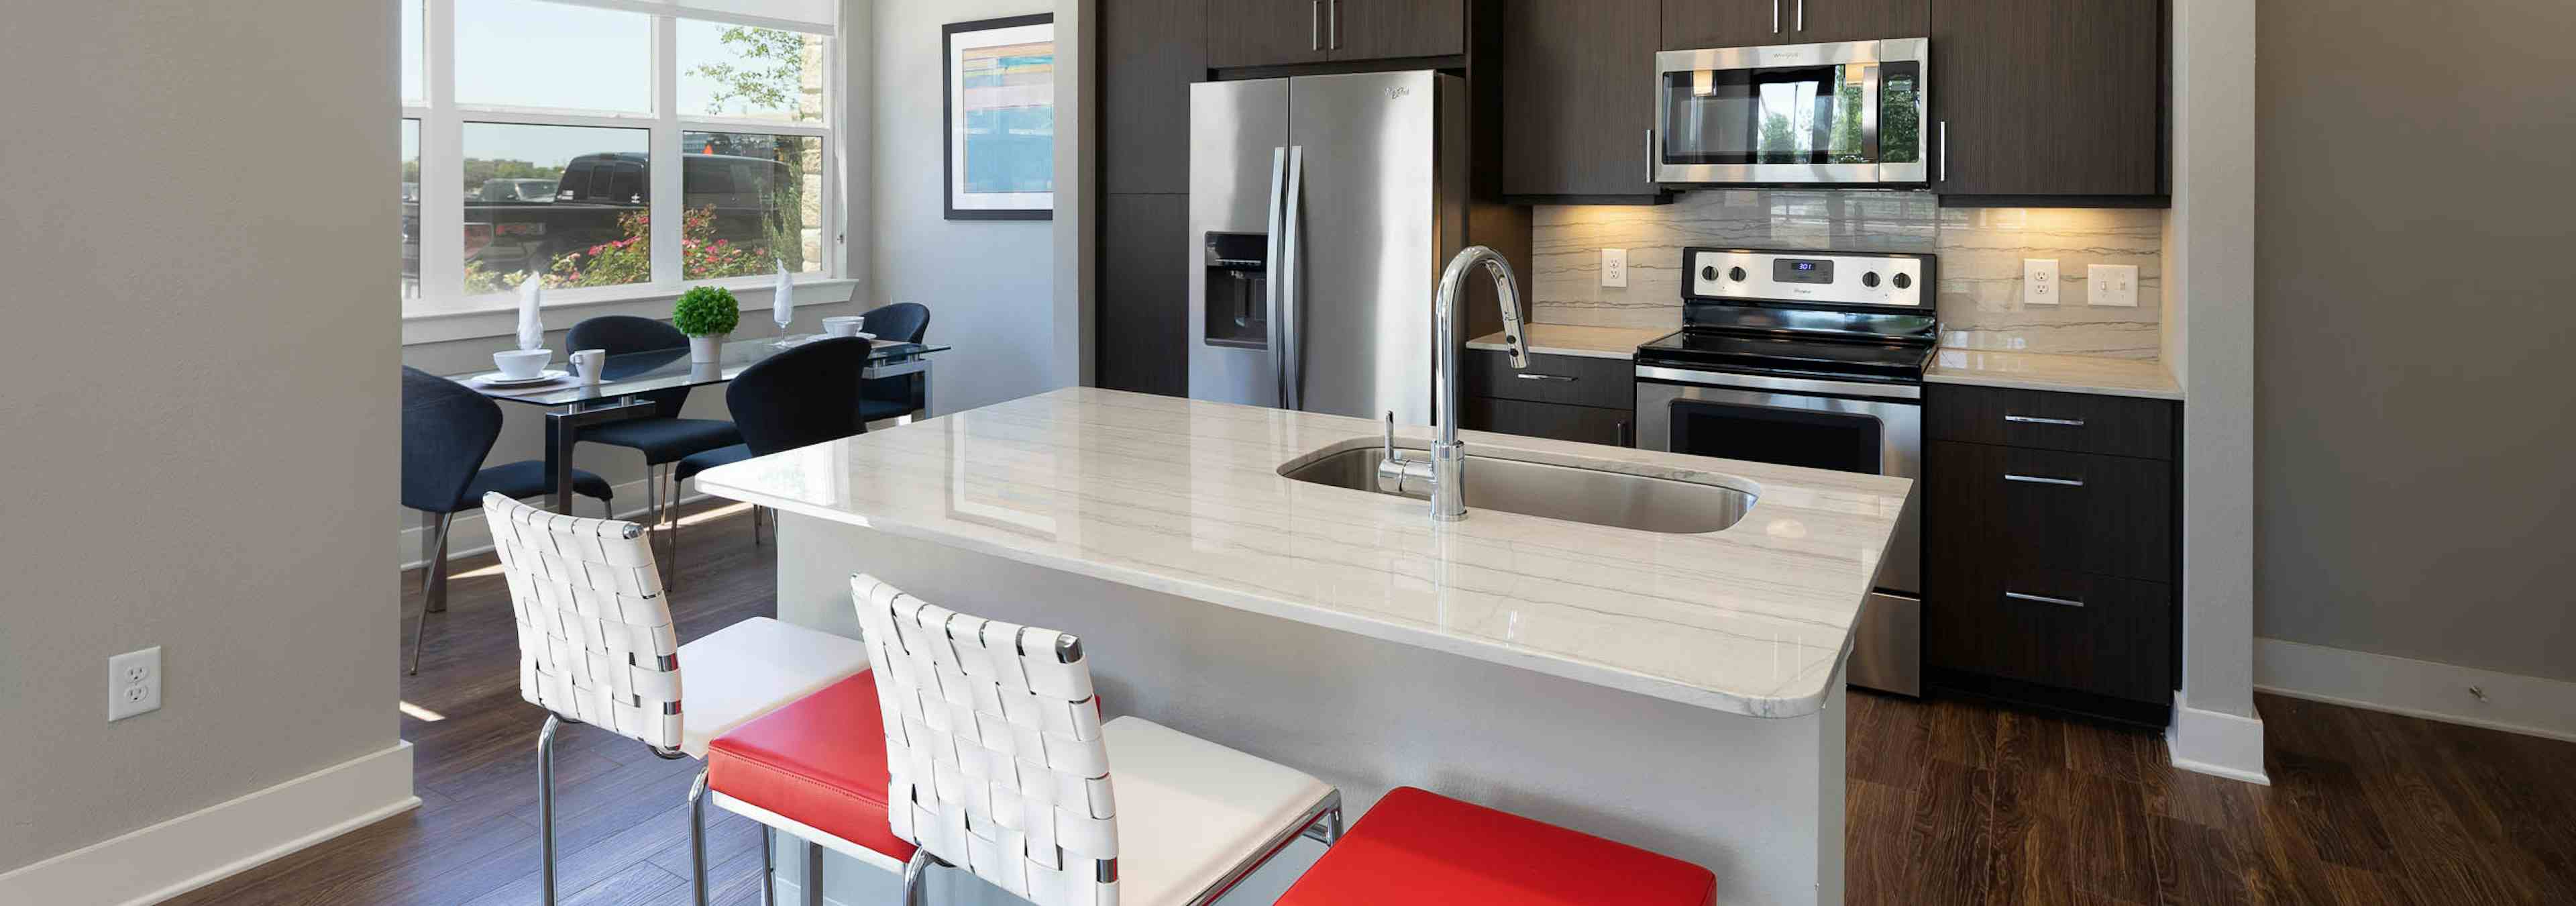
(1291, 264)
(1274, 263)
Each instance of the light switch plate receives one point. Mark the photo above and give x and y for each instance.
(1614, 267)
(2039, 281)
(2111, 284)
(133, 683)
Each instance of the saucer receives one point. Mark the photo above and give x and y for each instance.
(495, 379)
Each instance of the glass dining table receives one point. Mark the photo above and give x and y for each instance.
(572, 405)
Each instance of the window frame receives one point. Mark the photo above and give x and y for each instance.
(442, 165)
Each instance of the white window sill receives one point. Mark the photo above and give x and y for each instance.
(498, 315)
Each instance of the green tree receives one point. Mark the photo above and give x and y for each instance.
(767, 72)
(1779, 141)
(1846, 147)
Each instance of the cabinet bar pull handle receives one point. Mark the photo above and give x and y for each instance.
(2038, 479)
(1535, 376)
(1650, 155)
(1315, 25)
(2044, 599)
(1775, 16)
(1802, 15)
(2036, 420)
(1333, 26)
(1945, 150)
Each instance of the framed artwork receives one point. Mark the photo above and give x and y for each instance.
(1000, 117)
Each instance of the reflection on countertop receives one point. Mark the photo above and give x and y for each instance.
(1186, 498)
(2070, 373)
(1571, 339)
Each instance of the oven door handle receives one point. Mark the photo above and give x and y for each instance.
(1781, 384)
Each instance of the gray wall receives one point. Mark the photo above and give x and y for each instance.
(990, 284)
(200, 425)
(2414, 330)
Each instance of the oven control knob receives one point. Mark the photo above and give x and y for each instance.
(1903, 281)
(1869, 279)
(1708, 273)
(1735, 273)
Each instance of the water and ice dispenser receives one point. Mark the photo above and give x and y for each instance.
(1238, 290)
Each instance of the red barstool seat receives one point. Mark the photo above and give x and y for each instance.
(816, 769)
(1423, 849)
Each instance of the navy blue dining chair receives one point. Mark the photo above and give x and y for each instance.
(447, 432)
(903, 394)
(798, 398)
(664, 438)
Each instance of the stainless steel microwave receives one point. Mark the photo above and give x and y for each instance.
(1849, 113)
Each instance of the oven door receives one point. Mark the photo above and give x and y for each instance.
(1803, 113)
(1844, 426)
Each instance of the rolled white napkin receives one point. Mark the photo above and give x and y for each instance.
(532, 329)
(782, 301)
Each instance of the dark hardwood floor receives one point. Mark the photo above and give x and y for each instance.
(1949, 801)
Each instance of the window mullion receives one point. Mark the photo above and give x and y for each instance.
(442, 164)
(666, 207)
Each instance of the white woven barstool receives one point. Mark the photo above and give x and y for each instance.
(596, 646)
(1000, 764)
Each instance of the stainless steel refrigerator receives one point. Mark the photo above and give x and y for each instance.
(1321, 211)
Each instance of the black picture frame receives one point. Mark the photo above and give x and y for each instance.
(948, 121)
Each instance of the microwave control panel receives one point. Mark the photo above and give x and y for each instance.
(1820, 277)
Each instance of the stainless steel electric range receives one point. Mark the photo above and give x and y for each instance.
(1815, 359)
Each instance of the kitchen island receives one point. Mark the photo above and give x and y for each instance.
(1680, 692)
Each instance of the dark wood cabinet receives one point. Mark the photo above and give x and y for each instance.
(2048, 98)
(1576, 75)
(2051, 547)
(1151, 50)
(1581, 424)
(1712, 24)
(1823, 21)
(1265, 32)
(1394, 29)
(1143, 312)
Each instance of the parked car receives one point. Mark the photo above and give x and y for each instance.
(508, 228)
(529, 190)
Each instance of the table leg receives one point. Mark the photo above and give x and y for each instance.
(927, 409)
(560, 436)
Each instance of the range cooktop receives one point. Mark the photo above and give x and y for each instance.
(1791, 355)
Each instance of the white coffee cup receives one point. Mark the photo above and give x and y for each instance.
(587, 363)
(521, 364)
(844, 325)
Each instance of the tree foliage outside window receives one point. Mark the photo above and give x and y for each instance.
(768, 72)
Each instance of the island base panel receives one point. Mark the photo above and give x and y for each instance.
(1759, 801)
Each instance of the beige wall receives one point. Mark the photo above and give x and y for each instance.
(2415, 327)
(200, 425)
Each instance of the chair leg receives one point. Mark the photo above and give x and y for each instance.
(813, 873)
(433, 580)
(546, 800)
(755, 525)
(768, 866)
(652, 494)
(671, 506)
(916, 874)
(698, 837)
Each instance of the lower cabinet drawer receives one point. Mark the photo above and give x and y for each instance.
(2043, 509)
(2090, 633)
(1572, 380)
(1583, 424)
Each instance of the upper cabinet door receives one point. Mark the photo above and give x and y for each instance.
(2047, 97)
(1265, 32)
(1151, 50)
(1389, 29)
(1578, 82)
(1831, 21)
(1711, 24)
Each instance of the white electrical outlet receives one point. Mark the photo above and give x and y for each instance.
(1614, 267)
(2111, 284)
(133, 683)
(2039, 281)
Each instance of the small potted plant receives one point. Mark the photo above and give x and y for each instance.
(707, 314)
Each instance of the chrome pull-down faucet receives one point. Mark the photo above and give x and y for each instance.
(1444, 476)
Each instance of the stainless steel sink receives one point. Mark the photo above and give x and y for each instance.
(1552, 491)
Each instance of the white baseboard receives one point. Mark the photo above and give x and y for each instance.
(219, 841)
(2516, 704)
(2216, 743)
(469, 537)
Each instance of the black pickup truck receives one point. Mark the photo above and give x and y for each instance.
(510, 226)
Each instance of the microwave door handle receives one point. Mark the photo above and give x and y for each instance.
(1292, 301)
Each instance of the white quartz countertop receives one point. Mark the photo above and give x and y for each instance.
(1186, 498)
(2037, 371)
(1573, 339)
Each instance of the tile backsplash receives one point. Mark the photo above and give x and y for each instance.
(1981, 250)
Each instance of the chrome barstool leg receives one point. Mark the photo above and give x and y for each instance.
(698, 837)
(652, 494)
(916, 874)
(671, 506)
(546, 800)
(813, 873)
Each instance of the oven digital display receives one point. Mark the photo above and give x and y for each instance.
(1802, 270)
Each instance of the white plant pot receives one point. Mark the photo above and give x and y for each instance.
(707, 349)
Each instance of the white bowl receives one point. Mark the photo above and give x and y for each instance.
(843, 325)
(520, 364)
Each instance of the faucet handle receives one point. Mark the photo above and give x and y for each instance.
(1390, 435)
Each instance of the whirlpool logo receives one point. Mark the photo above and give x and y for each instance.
(1398, 92)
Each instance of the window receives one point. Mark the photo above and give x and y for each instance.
(530, 131)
